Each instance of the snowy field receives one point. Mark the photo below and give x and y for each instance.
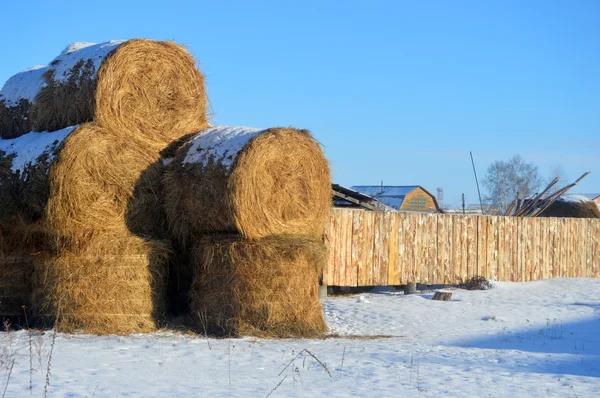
(536, 339)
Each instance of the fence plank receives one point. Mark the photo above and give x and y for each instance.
(402, 247)
(583, 244)
(384, 259)
(333, 251)
(596, 250)
(366, 249)
(482, 239)
(346, 242)
(358, 240)
(442, 247)
(432, 246)
(535, 269)
(393, 276)
(456, 260)
(493, 238)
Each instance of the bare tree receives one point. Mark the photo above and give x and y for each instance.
(504, 179)
(563, 179)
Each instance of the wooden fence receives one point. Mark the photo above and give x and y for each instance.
(392, 248)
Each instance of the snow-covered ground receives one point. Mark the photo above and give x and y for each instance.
(536, 339)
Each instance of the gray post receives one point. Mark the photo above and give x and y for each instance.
(410, 288)
(322, 292)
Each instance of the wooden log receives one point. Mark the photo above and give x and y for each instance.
(442, 296)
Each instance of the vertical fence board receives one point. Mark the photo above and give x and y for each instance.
(511, 247)
(564, 247)
(462, 269)
(345, 242)
(455, 260)
(537, 249)
(482, 245)
(544, 248)
(402, 247)
(430, 227)
(367, 255)
(334, 252)
(572, 263)
(493, 238)
(419, 247)
(501, 231)
(589, 255)
(471, 246)
(384, 261)
(596, 249)
(554, 242)
(393, 272)
(374, 263)
(583, 244)
(358, 240)
(442, 247)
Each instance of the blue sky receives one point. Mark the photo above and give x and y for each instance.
(395, 91)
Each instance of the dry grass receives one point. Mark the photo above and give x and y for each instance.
(14, 120)
(278, 184)
(563, 208)
(62, 104)
(266, 288)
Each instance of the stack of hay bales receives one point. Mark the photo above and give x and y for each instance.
(250, 206)
(103, 262)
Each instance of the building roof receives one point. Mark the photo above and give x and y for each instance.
(392, 196)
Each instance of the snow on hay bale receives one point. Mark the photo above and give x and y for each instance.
(266, 287)
(96, 209)
(144, 89)
(249, 181)
(572, 206)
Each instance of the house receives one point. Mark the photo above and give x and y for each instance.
(349, 198)
(402, 198)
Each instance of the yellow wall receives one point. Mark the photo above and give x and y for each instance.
(418, 200)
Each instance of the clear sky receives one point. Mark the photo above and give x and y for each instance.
(396, 91)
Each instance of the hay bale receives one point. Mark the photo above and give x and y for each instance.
(147, 90)
(249, 181)
(572, 206)
(102, 293)
(267, 287)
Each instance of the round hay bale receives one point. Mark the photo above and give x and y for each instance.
(144, 89)
(572, 206)
(266, 288)
(249, 181)
(152, 91)
(102, 293)
(104, 189)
